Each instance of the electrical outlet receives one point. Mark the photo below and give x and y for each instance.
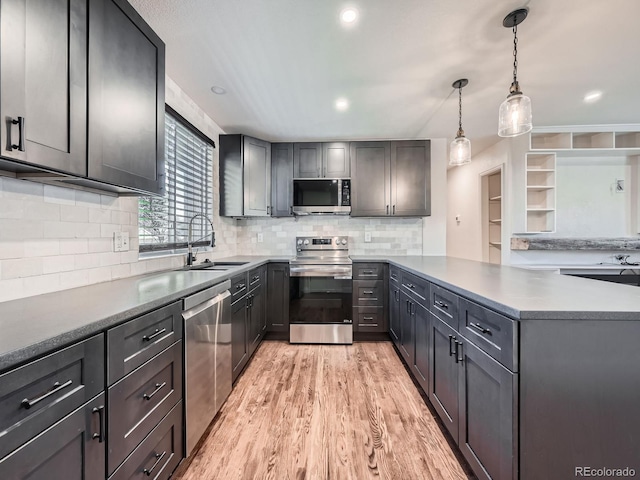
(125, 242)
(260, 238)
(367, 237)
(117, 241)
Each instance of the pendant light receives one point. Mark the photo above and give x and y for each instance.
(460, 151)
(515, 112)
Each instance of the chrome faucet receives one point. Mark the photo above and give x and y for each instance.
(190, 255)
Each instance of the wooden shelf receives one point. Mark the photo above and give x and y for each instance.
(496, 244)
(497, 221)
(587, 144)
(541, 209)
(495, 199)
(540, 187)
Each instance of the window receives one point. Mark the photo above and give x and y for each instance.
(164, 221)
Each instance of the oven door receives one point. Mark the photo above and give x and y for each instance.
(320, 295)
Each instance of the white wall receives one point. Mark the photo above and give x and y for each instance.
(434, 236)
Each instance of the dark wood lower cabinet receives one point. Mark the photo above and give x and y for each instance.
(443, 385)
(394, 312)
(278, 297)
(239, 335)
(420, 365)
(487, 415)
(73, 448)
(256, 320)
(407, 328)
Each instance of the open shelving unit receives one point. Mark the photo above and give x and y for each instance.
(541, 192)
(581, 143)
(494, 226)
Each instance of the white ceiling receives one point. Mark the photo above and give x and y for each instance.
(284, 63)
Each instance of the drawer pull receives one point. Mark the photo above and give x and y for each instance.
(410, 285)
(27, 404)
(100, 411)
(394, 276)
(159, 386)
(240, 286)
(480, 328)
(367, 272)
(257, 277)
(158, 457)
(396, 294)
(451, 339)
(367, 318)
(148, 338)
(367, 292)
(441, 304)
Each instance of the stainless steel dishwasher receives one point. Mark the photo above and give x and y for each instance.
(207, 358)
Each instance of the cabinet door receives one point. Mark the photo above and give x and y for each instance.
(411, 178)
(394, 312)
(444, 370)
(370, 172)
(407, 328)
(126, 98)
(73, 448)
(335, 160)
(278, 297)
(281, 179)
(256, 318)
(43, 79)
(307, 160)
(420, 365)
(239, 344)
(257, 177)
(487, 414)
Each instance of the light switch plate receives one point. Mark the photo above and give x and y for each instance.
(260, 238)
(120, 241)
(367, 237)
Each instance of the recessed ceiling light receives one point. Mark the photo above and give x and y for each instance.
(342, 104)
(593, 96)
(218, 90)
(349, 15)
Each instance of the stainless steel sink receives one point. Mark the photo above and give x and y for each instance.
(214, 266)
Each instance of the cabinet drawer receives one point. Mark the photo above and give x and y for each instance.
(417, 287)
(256, 277)
(238, 287)
(159, 454)
(368, 271)
(493, 333)
(368, 292)
(140, 400)
(444, 305)
(394, 274)
(35, 396)
(369, 319)
(131, 344)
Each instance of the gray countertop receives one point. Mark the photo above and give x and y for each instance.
(524, 294)
(33, 326)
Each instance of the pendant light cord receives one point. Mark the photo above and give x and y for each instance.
(460, 131)
(515, 88)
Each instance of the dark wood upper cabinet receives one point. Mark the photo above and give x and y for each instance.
(281, 179)
(126, 98)
(391, 178)
(370, 179)
(43, 83)
(307, 160)
(335, 160)
(411, 178)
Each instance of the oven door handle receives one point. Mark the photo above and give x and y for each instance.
(330, 271)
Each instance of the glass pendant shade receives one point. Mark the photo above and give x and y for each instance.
(515, 116)
(460, 152)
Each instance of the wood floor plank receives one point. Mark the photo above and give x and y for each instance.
(320, 412)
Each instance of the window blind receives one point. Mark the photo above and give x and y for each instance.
(164, 221)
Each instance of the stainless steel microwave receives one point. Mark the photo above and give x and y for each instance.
(322, 196)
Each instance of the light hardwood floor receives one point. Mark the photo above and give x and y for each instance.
(319, 412)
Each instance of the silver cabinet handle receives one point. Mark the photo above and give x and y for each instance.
(367, 292)
(479, 327)
(148, 338)
(100, 411)
(394, 210)
(27, 403)
(441, 304)
(159, 386)
(159, 457)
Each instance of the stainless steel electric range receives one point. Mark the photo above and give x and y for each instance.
(320, 309)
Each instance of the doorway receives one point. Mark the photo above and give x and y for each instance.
(491, 188)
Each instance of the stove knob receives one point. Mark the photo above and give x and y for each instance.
(343, 241)
(299, 241)
(306, 242)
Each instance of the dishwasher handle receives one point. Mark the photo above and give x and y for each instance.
(204, 305)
